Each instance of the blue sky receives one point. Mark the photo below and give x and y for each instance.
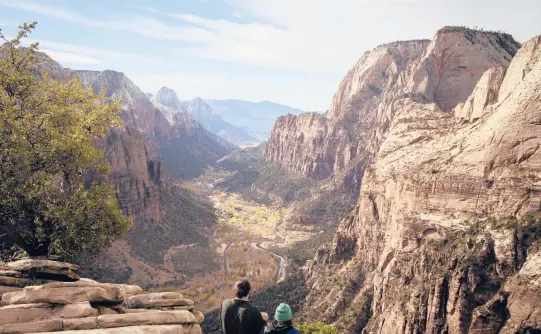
(293, 52)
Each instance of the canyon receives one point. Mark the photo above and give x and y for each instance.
(412, 206)
(445, 234)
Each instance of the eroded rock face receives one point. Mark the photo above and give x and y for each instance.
(342, 143)
(143, 154)
(428, 248)
(89, 306)
(168, 98)
(44, 269)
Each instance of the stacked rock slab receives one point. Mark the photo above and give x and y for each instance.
(42, 296)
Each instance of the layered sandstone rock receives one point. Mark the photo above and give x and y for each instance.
(443, 239)
(43, 269)
(89, 306)
(342, 143)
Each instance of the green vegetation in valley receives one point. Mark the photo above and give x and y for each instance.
(257, 219)
(317, 328)
(54, 195)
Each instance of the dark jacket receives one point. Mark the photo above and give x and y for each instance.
(280, 328)
(240, 317)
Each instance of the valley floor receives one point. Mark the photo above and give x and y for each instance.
(248, 239)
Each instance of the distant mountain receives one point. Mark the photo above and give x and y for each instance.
(168, 103)
(149, 95)
(168, 98)
(257, 118)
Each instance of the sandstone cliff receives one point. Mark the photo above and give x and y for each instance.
(43, 296)
(165, 216)
(446, 233)
(146, 156)
(342, 143)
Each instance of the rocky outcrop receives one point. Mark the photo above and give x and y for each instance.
(445, 236)
(168, 98)
(342, 143)
(44, 269)
(86, 306)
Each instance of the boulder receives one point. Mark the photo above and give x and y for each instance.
(77, 310)
(88, 280)
(200, 316)
(4, 289)
(189, 307)
(157, 300)
(43, 311)
(76, 284)
(158, 329)
(46, 269)
(80, 324)
(105, 293)
(16, 281)
(136, 310)
(192, 329)
(52, 325)
(10, 273)
(147, 318)
(106, 310)
(130, 290)
(159, 303)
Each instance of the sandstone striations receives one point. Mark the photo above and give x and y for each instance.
(342, 143)
(86, 306)
(446, 233)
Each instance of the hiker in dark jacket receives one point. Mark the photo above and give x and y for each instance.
(282, 323)
(238, 316)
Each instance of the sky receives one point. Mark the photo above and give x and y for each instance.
(293, 52)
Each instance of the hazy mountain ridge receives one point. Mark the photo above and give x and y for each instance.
(168, 103)
(257, 118)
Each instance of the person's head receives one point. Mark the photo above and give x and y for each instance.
(242, 289)
(283, 314)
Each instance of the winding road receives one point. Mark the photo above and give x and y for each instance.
(226, 267)
(281, 274)
(282, 267)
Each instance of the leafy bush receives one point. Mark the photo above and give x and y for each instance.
(317, 328)
(54, 195)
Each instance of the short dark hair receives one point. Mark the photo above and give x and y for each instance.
(242, 288)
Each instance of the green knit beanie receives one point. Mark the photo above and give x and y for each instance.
(283, 313)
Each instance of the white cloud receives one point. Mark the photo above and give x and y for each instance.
(71, 58)
(53, 11)
(310, 35)
(100, 56)
(254, 43)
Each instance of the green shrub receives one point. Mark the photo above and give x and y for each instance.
(317, 328)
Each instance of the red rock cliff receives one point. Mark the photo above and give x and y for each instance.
(342, 143)
(445, 235)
